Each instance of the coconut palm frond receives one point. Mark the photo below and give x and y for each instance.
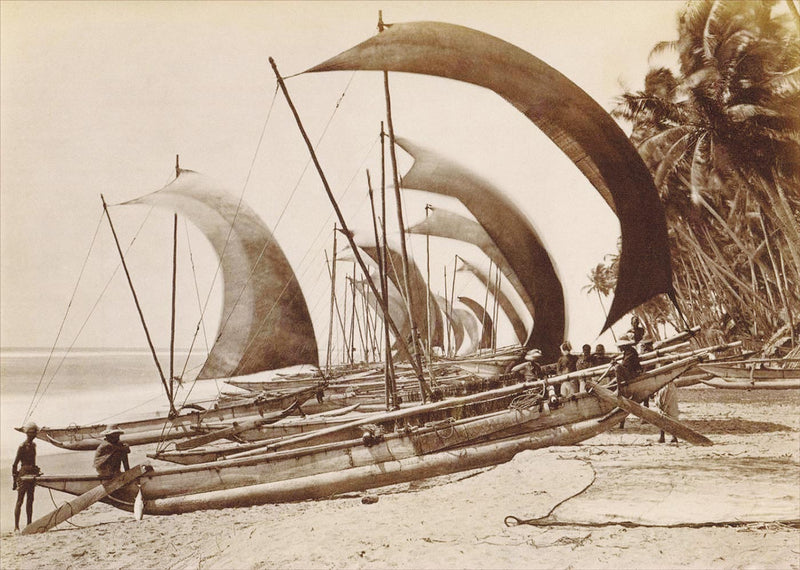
(654, 149)
(745, 112)
(698, 180)
(672, 160)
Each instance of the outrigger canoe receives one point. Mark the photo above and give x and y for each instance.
(407, 454)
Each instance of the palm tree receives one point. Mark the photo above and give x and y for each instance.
(722, 139)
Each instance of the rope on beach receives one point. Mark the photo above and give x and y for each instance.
(58, 507)
(791, 523)
(511, 520)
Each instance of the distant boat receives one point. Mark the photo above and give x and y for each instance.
(750, 372)
(747, 375)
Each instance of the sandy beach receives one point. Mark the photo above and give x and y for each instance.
(620, 500)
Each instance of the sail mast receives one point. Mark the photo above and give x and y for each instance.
(172, 409)
(345, 230)
(391, 381)
(388, 372)
(172, 319)
(453, 300)
(399, 207)
(333, 299)
(428, 278)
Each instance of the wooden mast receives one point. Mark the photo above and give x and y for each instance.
(345, 230)
(391, 380)
(333, 300)
(453, 298)
(388, 374)
(428, 278)
(399, 207)
(172, 409)
(174, 292)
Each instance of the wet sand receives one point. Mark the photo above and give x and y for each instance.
(634, 504)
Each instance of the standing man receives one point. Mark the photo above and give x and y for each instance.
(111, 454)
(636, 331)
(26, 459)
(667, 402)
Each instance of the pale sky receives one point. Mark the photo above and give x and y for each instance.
(98, 98)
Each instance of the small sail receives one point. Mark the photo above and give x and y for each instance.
(445, 224)
(455, 323)
(574, 121)
(483, 318)
(509, 229)
(265, 320)
(502, 299)
(471, 330)
(419, 291)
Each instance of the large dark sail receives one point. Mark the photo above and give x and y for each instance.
(576, 123)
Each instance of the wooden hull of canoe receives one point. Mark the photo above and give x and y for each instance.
(155, 429)
(761, 385)
(737, 373)
(408, 454)
(273, 432)
(690, 379)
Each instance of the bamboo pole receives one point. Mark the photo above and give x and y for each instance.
(428, 279)
(403, 250)
(172, 317)
(453, 296)
(336, 304)
(172, 409)
(345, 230)
(391, 379)
(333, 299)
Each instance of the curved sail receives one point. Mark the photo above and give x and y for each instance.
(483, 318)
(502, 300)
(265, 320)
(472, 330)
(455, 323)
(419, 291)
(564, 112)
(445, 224)
(509, 229)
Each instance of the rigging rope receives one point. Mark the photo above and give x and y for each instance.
(235, 216)
(63, 321)
(224, 324)
(34, 403)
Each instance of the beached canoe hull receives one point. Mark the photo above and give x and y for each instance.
(738, 373)
(155, 429)
(760, 385)
(321, 470)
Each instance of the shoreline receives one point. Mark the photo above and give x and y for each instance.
(748, 477)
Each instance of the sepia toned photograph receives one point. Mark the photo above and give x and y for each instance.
(445, 285)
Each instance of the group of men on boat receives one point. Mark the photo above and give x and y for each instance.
(109, 458)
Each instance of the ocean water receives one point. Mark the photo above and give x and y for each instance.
(79, 388)
(83, 387)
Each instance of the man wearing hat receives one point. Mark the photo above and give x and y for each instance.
(530, 369)
(629, 368)
(111, 454)
(26, 459)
